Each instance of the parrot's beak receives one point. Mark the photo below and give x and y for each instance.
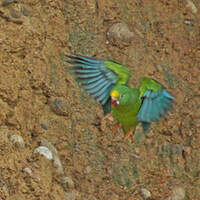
(114, 101)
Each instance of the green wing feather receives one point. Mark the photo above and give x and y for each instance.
(122, 72)
(149, 84)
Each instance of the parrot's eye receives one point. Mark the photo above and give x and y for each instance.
(121, 96)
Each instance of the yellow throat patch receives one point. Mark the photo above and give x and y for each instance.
(114, 93)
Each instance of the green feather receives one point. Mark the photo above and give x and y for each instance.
(121, 71)
(149, 84)
(129, 105)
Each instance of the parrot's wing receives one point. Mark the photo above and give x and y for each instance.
(156, 101)
(98, 77)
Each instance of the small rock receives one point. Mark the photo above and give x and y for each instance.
(49, 145)
(172, 148)
(58, 165)
(176, 149)
(70, 195)
(114, 197)
(192, 6)
(107, 42)
(120, 35)
(44, 151)
(93, 198)
(25, 11)
(67, 183)
(17, 140)
(14, 13)
(56, 159)
(188, 22)
(146, 194)
(5, 189)
(28, 171)
(59, 106)
(44, 127)
(197, 122)
(178, 193)
(7, 2)
(186, 151)
(87, 170)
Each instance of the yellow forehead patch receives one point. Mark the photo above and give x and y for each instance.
(114, 93)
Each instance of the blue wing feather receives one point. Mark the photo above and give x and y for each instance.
(106, 100)
(98, 89)
(154, 106)
(94, 84)
(90, 81)
(89, 75)
(94, 77)
(100, 92)
(85, 71)
(155, 110)
(87, 59)
(149, 111)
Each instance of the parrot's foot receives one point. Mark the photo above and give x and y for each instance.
(129, 134)
(105, 118)
(115, 127)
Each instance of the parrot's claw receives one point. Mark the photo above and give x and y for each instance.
(129, 134)
(105, 118)
(115, 127)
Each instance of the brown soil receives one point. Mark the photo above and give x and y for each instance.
(34, 35)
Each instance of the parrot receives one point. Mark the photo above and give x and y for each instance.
(108, 82)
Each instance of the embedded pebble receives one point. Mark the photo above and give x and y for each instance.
(87, 170)
(7, 2)
(192, 6)
(25, 11)
(44, 127)
(56, 159)
(5, 189)
(178, 193)
(70, 196)
(146, 194)
(59, 106)
(28, 171)
(93, 198)
(67, 183)
(58, 165)
(120, 35)
(114, 196)
(188, 22)
(172, 148)
(44, 151)
(49, 145)
(17, 140)
(14, 13)
(187, 151)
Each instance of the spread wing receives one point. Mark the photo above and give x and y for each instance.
(156, 101)
(97, 77)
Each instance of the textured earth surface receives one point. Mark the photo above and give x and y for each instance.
(40, 101)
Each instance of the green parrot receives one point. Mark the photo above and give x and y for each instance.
(107, 82)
